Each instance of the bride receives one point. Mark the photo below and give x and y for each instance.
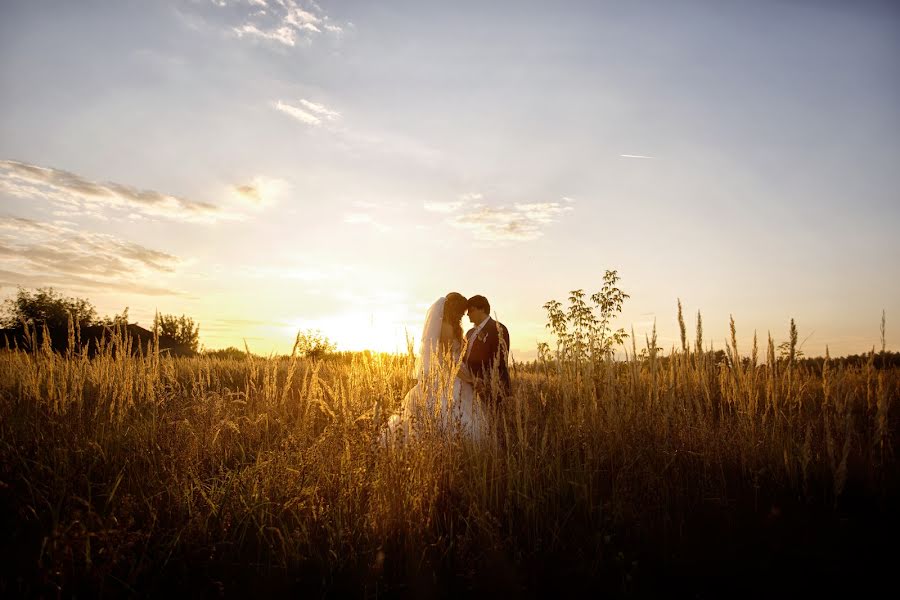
(443, 396)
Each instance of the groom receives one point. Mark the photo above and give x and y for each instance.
(487, 348)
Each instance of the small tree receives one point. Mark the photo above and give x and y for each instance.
(609, 301)
(788, 351)
(584, 332)
(116, 320)
(181, 329)
(312, 344)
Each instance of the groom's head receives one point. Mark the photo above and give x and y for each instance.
(479, 309)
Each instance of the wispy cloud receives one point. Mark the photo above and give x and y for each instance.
(516, 223)
(54, 253)
(285, 22)
(523, 222)
(637, 156)
(321, 110)
(297, 113)
(74, 191)
(308, 113)
(452, 206)
(260, 191)
(284, 35)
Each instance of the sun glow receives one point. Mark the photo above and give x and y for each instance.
(379, 330)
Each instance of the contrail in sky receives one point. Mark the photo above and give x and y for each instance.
(636, 156)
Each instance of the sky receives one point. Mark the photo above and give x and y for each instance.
(270, 166)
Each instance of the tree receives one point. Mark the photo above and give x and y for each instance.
(116, 320)
(312, 344)
(180, 329)
(788, 351)
(609, 301)
(784, 352)
(584, 332)
(47, 307)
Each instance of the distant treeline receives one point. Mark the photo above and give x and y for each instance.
(45, 318)
(880, 360)
(90, 339)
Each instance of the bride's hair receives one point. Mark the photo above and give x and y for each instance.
(454, 309)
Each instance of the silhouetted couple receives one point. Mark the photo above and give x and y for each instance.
(459, 380)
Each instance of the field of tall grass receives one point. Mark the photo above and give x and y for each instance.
(666, 473)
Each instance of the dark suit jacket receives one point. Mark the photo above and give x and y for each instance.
(490, 348)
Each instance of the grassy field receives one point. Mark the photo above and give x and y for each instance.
(664, 474)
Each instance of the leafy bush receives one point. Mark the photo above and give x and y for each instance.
(312, 344)
(583, 335)
(181, 329)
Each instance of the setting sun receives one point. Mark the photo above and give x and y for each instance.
(380, 331)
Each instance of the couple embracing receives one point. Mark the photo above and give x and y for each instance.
(459, 379)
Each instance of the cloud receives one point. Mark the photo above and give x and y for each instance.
(260, 191)
(285, 22)
(298, 113)
(249, 192)
(520, 222)
(76, 192)
(453, 205)
(500, 224)
(320, 110)
(284, 35)
(54, 253)
(76, 283)
(311, 114)
(541, 213)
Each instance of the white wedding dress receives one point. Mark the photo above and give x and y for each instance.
(440, 400)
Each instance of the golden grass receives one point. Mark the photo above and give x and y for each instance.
(124, 473)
